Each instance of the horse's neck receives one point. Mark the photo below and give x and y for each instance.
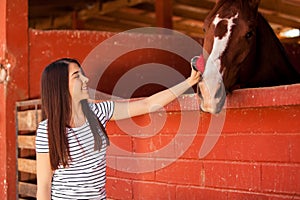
(269, 45)
(273, 65)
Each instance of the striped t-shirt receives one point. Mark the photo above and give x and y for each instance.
(85, 176)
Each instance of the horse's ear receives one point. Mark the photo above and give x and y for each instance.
(254, 4)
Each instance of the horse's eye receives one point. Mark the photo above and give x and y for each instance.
(204, 30)
(249, 35)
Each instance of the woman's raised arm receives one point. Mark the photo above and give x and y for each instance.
(129, 109)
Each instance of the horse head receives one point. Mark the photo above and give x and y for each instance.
(228, 42)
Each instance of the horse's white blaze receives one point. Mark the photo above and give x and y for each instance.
(219, 46)
(212, 78)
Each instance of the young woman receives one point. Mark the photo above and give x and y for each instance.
(71, 143)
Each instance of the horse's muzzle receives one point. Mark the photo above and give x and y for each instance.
(212, 101)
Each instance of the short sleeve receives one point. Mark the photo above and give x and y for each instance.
(41, 140)
(103, 110)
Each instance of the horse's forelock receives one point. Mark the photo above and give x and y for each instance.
(215, 10)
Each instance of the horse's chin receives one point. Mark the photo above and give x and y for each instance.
(213, 109)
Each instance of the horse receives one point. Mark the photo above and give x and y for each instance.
(240, 50)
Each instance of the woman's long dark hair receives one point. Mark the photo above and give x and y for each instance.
(57, 109)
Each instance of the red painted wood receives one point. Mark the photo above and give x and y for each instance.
(268, 96)
(52, 45)
(69, 44)
(120, 188)
(256, 156)
(281, 178)
(232, 175)
(196, 192)
(258, 146)
(3, 150)
(183, 172)
(153, 190)
(163, 13)
(14, 48)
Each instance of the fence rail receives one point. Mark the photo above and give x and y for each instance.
(28, 115)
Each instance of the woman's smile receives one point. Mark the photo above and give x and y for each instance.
(77, 83)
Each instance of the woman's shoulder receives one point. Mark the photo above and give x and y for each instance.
(103, 109)
(101, 104)
(41, 139)
(43, 125)
(43, 122)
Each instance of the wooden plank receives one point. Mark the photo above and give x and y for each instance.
(281, 20)
(26, 177)
(190, 12)
(27, 165)
(130, 14)
(164, 13)
(111, 6)
(280, 7)
(108, 7)
(27, 189)
(31, 102)
(26, 153)
(204, 4)
(26, 141)
(28, 120)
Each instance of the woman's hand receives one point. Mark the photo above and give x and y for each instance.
(194, 78)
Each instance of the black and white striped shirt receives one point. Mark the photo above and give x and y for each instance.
(85, 176)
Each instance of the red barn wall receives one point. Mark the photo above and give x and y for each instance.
(257, 155)
(13, 51)
(47, 46)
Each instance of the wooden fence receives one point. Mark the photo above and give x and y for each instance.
(28, 115)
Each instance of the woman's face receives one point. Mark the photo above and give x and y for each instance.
(77, 83)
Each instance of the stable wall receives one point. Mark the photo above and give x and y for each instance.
(257, 155)
(122, 53)
(28, 51)
(13, 51)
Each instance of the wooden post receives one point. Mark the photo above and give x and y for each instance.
(164, 14)
(3, 153)
(13, 55)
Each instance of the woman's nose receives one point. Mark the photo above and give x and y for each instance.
(84, 79)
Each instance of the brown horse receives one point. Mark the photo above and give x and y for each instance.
(241, 51)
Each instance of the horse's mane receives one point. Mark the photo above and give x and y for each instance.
(263, 26)
(272, 58)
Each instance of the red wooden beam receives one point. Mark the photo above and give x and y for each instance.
(13, 51)
(3, 153)
(163, 9)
